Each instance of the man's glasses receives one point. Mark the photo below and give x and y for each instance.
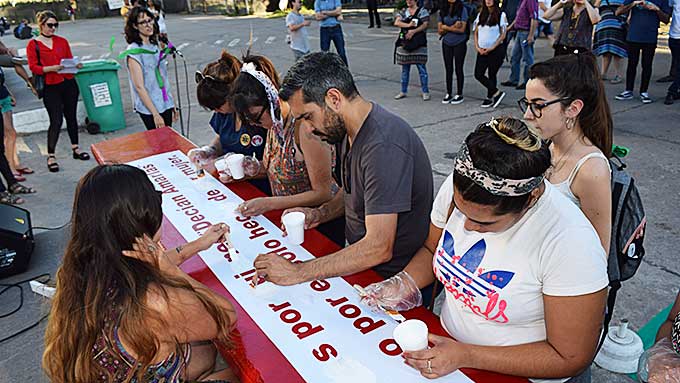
(52, 25)
(145, 22)
(537, 107)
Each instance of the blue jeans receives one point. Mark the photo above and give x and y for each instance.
(674, 44)
(326, 34)
(521, 52)
(406, 72)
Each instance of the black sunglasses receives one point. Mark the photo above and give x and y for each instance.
(245, 117)
(52, 25)
(146, 22)
(199, 76)
(537, 107)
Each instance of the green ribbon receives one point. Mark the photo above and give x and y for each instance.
(620, 151)
(157, 70)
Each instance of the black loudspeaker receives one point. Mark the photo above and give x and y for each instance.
(16, 240)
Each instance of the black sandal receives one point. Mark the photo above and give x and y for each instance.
(18, 188)
(54, 166)
(10, 199)
(80, 156)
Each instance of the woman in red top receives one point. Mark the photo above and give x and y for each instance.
(61, 92)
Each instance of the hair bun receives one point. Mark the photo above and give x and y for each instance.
(515, 132)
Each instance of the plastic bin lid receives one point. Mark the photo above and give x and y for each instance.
(99, 65)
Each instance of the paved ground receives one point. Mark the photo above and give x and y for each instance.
(651, 131)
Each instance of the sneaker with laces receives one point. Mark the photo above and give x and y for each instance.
(487, 103)
(400, 95)
(644, 97)
(446, 99)
(498, 98)
(426, 97)
(625, 95)
(457, 99)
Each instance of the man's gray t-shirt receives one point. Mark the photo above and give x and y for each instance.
(387, 171)
(298, 39)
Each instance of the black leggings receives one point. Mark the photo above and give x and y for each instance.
(454, 54)
(61, 101)
(634, 50)
(148, 119)
(492, 62)
(372, 6)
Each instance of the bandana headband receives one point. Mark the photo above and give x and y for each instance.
(492, 183)
(272, 94)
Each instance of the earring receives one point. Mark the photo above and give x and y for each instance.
(570, 122)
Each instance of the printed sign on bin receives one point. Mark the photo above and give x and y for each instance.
(101, 94)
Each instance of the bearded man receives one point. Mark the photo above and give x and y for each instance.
(385, 174)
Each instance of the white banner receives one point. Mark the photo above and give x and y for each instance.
(115, 4)
(320, 327)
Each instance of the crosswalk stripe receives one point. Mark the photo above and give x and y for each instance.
(21, 145)
(43, 149)
(234, 42)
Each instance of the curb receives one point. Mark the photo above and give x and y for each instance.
(37, 120)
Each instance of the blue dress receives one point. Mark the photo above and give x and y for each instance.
(610, 32)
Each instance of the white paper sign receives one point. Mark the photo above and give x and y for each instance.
(320, 327)
(115, 4)
(101, 94)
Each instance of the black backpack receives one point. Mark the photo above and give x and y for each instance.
(629, 224)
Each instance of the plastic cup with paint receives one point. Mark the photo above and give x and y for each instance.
(295, 227)
(411, 335)
(221, 165)
(235, 164)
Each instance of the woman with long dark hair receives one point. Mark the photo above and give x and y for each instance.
(453, 18)
(577, 18)
(490, 28)
(148, 69)
(61, 91)
(524, 273)
(297, 163)
(566, 102)
(124, 311)
(233, 136)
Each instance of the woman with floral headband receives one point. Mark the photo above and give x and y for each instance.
(524, 271)
(297, 164)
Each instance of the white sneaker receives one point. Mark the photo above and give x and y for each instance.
(426, 97)
(446, 99)
(400, 95)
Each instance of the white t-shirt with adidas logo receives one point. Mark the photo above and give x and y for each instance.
(495, 282)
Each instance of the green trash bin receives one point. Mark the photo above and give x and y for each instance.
(100, 89)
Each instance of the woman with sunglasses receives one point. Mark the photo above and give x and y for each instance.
(577, 18)
(148, 70)
(61, 91)
(297, 163)
(566, 103)
(232, 136)
(525, 276)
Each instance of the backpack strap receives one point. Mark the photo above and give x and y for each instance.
(580, 163)
(614, 287)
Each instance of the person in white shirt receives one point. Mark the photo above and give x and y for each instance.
(674, 45)
(545, 25)
(524, 271)
(490, 29)
(297, 27)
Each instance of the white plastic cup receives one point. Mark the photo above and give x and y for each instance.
(411, 335)
(235, 164)
(295, 227)
(221, 165)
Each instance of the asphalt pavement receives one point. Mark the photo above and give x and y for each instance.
(652, 132)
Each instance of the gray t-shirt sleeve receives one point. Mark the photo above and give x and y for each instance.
(387, 188)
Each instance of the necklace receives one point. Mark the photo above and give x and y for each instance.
(557, 165)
